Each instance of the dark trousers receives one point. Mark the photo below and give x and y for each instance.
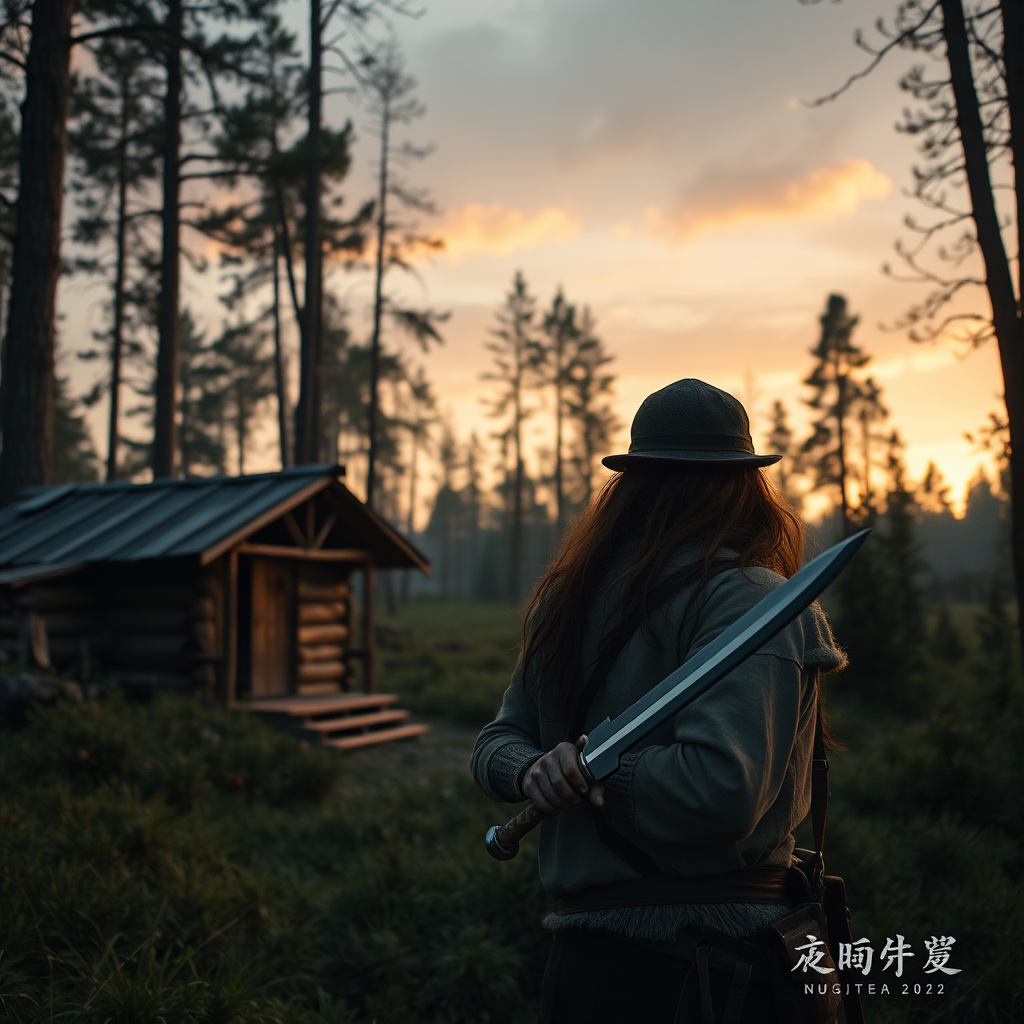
(597, 978)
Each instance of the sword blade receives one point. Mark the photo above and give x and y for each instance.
(612, 738)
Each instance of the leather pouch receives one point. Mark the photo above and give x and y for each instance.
(805, 982)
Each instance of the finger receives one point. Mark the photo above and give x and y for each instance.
(597, 794)
(571, 769)
(559, 783)
(535, 794)
(554, 799)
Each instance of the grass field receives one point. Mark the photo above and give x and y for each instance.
(178, 862)
(451, 658)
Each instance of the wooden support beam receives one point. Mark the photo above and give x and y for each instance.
(318, 541)
(232, 542)
(293, 528)
(309, 554)
(369, 630)
(231, 628)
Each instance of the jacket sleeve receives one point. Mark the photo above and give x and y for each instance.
(508, 746)
(732, 747)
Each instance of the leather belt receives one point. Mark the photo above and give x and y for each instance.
(765, 884)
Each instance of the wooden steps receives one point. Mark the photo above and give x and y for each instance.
(402, 732)
(346, 721)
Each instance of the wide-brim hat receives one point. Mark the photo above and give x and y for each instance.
(690, 421)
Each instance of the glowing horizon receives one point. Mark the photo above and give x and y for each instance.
(656, 163)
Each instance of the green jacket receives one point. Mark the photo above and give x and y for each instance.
(719, 788)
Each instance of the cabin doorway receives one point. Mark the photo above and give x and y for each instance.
(270, 645)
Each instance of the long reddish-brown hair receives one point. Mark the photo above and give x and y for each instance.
(659, 507)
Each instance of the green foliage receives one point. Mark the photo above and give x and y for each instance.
(202, 371)
(183, 862)
(880, 617)
(178, 862)
(451, 658)
(74, 457)
(927, 825)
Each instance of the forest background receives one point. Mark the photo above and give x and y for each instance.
(287, 337)
(243, 289)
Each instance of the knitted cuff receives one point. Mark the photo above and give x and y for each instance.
(619, 807)
(507, 767)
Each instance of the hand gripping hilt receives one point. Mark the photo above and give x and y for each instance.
(502, 841)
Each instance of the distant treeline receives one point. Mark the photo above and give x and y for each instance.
(851, 454)
(959, 556)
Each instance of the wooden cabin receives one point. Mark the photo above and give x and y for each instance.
(241, 588)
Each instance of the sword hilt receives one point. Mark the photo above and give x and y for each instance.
(502, 841)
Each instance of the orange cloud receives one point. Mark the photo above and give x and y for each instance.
(721, 202)
(496, 231)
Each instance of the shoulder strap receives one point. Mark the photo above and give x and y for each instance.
(819, 790)
(611, 646)
(830, 892)
(617, 640)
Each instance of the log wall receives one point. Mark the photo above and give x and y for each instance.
(323, 617)
(119, 625)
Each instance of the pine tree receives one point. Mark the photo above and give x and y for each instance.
(74, 458)
(869, 411)
(204, 376)
(356, 16)
(589, 390)
(115, 111)
(393, 103)
(9, 146)
(517, 355)
(421, 416)
(28, 406)
(947, 642)
(880, 602)
(560, 334)
(248, 380)
(839, 399)
(933, 492)
(902, 553)
(346, 390)
(9, 161)
(187, 57)
(446, 517)
(780, 442)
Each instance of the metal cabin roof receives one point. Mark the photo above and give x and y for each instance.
(65, 527)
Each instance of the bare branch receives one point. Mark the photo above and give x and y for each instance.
(878, 56)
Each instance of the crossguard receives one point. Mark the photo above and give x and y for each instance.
(502, 841)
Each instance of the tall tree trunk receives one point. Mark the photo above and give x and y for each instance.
(117, 334)
(168, 317)
(307, 414)
(378, 301)
(280, 376)
(28, 369)
(841, 440)
(240, 429)
(1006, 318)
(515, 545)
(559, 496)
(1013, 61)
(411, 519)
(289, 261)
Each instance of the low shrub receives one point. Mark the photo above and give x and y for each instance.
(179, 862)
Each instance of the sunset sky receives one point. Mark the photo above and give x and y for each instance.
(658, 161)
